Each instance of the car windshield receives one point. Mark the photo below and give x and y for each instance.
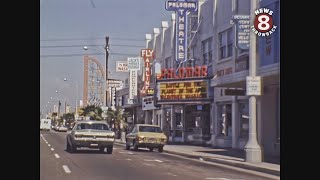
(149, 129)
(95, 126)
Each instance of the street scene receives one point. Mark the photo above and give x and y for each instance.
(162, 89)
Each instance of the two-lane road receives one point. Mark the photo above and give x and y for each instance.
(56, 163)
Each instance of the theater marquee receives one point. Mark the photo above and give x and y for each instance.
(182, 91)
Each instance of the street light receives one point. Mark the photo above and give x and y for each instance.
(106, 53)
(77, 89)
(252, 148)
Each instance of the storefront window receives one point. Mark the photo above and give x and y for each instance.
(167, 114)
(178, 121)
(225, 119)
(244, 119)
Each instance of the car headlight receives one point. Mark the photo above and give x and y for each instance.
(78, 135)
(140, 138)
(110, 136)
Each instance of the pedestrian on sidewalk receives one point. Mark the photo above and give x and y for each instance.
(166, 130)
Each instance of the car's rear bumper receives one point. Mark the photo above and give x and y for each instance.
(93, 143)
(151, 145)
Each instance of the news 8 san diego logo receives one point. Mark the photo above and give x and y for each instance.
(263, 22)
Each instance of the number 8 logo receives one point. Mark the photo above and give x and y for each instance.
(263, 22)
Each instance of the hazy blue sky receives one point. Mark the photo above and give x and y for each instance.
(90, 21)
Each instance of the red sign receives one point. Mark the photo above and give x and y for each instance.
(188, 72)
(148, 56)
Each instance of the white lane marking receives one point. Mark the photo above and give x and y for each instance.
(147, 164)
(66, 169)
(172, 174)
(56, 155)
(124, 159)
(47, 142)
(222, 179)
(125, 152)
(52, 149)
(49, 145)
(152, 160)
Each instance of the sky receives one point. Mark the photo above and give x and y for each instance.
(79, 23)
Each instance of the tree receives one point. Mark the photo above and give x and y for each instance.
(116, 118)
(94, 112)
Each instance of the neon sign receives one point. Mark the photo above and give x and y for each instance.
(181, 7)
(148, 56)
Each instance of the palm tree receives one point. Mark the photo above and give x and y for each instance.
(94, 112)
(117, 119)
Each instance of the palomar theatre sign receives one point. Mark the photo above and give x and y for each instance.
(181, 7)
(183, 90)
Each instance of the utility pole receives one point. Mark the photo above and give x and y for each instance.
(252, 148)
(106, 72)
(59, 104)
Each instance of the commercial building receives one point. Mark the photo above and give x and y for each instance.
(204, 99)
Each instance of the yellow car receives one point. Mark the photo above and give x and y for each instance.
(146, 136)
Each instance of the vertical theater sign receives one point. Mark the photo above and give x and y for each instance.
(181, 7)
(182, 85)
(148, 56)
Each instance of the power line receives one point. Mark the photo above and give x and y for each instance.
(71, 55)
(64, 46)
(88, 39)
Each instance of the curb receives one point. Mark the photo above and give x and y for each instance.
(268, 171)
(225, 162)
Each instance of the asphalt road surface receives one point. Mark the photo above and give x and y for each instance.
(87, 164)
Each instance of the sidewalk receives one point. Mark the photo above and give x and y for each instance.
(225, 156)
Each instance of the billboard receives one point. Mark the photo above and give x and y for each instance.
(133, 63)
(113, 97)
(122, 66)
(148, 103)
(133, 85)
(115, 83)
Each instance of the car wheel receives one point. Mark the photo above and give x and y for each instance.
(101, 149)
(109, 149)
(151, 149)
(127, 145)
(135, 145)
(68, 147)
(73, 148)
(160, 149)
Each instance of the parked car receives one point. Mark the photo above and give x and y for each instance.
(90, 134)
(55, 128)
(147, 136)
(62, 129)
